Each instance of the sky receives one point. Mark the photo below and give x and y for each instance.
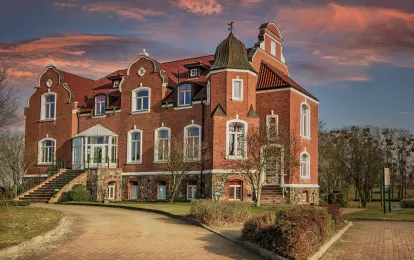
(355, 56)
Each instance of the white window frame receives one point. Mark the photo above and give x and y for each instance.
(193, 186)
(268, 117)
(156, 144)
(43, 107)
(134, 108)
(99, 105)
(164, 194)
(184, 91)
(191, 72)
(273, 48)
(233, 97)
(129, 146)
(114, 190)
(228, 139)
(208, 92)
(234, 187)
(116, 83)
(307, 166)
(305, 129)
(40, 152)
(185, 142)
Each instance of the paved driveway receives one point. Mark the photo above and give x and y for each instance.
(110, 233)
(377, 240)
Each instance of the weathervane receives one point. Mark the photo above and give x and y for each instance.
(231, 26)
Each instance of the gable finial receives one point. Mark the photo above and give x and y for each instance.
(231, 26)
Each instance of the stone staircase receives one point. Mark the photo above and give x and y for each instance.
(45, 191)
(272, 194)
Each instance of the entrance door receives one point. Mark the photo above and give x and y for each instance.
(134, 191)
(111, 190)
(77, 158)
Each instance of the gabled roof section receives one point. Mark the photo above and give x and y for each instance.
(272, 78)
(218, 111)
(80, 86)
(97, 130)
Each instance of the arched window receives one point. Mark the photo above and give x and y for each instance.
(47, 149)
(134, 146)
(184, 95)
(236, 139)
(305, 121)
(48, 109)
(192, 144)
(140, 101)
(191, 190)
(162, 144)
(111, 190)
(235, 190)
(162, 190)
(272, 126)
(304, 165)
(100, 105)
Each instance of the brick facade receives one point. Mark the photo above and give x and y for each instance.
(75, 114)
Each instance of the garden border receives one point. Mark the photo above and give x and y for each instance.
(33, 241)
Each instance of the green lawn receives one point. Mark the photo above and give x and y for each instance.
(183, 208)
(374, 210)
(19, 224)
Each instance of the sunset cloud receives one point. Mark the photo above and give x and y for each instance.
(200, 7)
(126, 10)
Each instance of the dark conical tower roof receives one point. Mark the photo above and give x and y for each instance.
(231, 53)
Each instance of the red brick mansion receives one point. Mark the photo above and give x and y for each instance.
(122, 125)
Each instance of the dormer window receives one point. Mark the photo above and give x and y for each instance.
(100, 105)
(116, 83)
(184, 95)
(194, 72)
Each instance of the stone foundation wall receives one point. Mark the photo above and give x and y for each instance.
(220, 184)
(303, 196)
(97, 183)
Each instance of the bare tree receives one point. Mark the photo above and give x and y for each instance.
(8, 99)
(181, 156)
(270, 153)
(13, 166)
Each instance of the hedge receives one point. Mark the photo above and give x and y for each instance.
(218, 213)
(293, 233)
(79, 193)
(407, 203)
(14, 202)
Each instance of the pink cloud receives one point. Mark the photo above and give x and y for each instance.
(128, 11)
(64, 4)
(201, 7)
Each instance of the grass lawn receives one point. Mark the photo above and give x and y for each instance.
(18, 224)
(374, 210)
(183, 208)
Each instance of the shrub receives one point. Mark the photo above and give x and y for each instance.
(336, 213)
(407, 203)
(79, 193)
(218, 213)
(340, 200)
(14, 202)
(331, 198)
(293, 233)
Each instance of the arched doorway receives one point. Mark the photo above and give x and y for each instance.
(133, 191)
(111, 190)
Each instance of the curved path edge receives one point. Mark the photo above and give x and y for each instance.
(266, 254)
(33, 241)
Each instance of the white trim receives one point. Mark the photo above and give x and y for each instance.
(42, 106)
(268, 54)
(270, 35)
(183, 107)
(185, 140)
(134, 109)
(267, 123)
(273, 48)
(308, 166)
(278, 29)
(229, 171)
(241, 90)
(156, 143)
(35, 175)
(288, 88)
(113, 186)
(191, 72)
(308, 126)
(231, 70)
(137, 59)
(100, 102)
(184, 91)
(100, 116)
(302, 185)
(228, 157)
(193, 186)
(40, 151)
(129, 147)
(208, 90)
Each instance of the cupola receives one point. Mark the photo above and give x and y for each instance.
(231, 53)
